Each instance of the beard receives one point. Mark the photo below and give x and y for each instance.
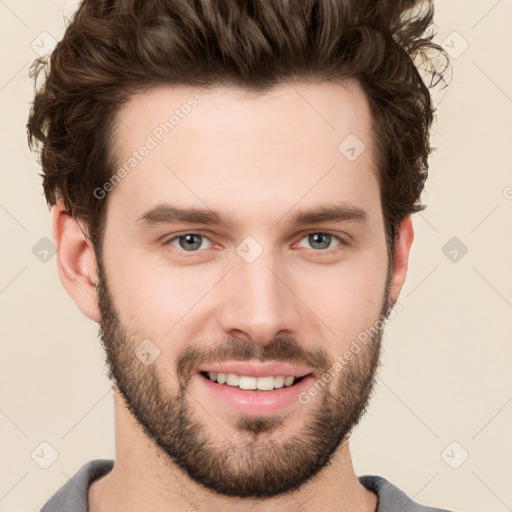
(257, 466)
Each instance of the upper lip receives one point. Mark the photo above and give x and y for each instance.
(256, 369)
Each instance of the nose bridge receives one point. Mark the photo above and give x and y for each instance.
(260, 283)
(258, 303)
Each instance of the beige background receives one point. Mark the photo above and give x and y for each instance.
(446, 374)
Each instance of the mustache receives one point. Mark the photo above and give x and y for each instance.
(280, 349)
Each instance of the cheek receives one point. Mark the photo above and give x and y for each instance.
(347, 298)
(152, 296)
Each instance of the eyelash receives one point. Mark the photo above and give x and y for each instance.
(331, 250)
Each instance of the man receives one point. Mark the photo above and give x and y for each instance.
(232, 186)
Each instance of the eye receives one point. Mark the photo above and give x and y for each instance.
(322, 241)
(193, 242)
(189, 242)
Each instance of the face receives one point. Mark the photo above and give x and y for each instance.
(285, 264)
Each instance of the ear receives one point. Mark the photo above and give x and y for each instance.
(404, 239)
(76, 261)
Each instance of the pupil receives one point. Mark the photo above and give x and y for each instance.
(189, 243)
(316, 236)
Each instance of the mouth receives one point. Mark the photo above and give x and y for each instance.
(266, 383)
(251, 395)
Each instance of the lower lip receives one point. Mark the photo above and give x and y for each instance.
(255, 401)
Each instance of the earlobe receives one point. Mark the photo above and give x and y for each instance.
(76, 261)
(404, 239)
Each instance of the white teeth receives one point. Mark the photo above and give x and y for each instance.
(232, 379)
(247, 382)
(267, 383)
(279, 382)
(288, 381)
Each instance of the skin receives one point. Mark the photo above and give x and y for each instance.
(259, 159)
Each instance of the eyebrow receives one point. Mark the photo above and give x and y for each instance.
(168, 214)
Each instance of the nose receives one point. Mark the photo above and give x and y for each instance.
(258, 301)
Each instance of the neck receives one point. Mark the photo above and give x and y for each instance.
(143, 474)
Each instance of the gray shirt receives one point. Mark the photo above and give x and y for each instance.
(73, 495)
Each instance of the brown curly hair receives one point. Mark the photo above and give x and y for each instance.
(114, 48)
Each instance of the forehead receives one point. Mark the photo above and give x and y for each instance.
(296, 143)
(316, 113)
